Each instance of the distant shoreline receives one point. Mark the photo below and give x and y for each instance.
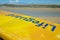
(32, 5)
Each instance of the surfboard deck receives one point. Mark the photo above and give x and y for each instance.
(22, 27)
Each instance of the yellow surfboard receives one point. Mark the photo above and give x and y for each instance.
(22, 27)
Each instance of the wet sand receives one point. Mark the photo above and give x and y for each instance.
(22, 8)
(51, 19)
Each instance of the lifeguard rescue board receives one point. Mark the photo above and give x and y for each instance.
(15, 26)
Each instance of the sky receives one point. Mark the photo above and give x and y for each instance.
(29, 1)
